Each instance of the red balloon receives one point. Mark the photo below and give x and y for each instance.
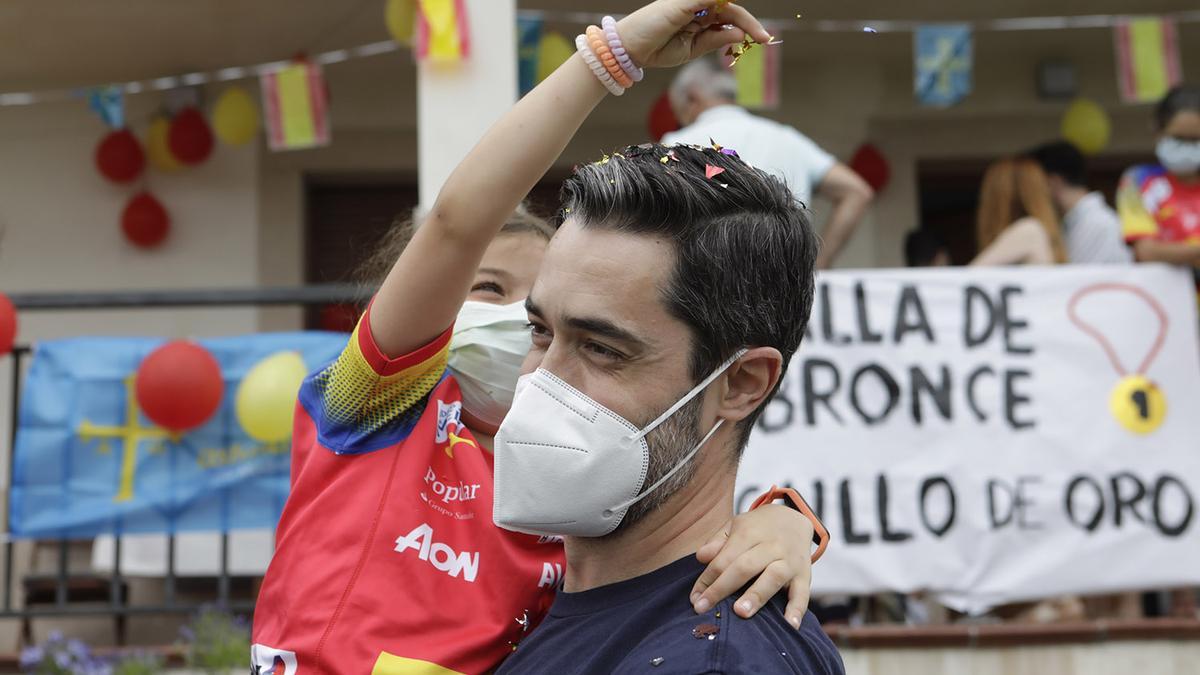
(119, 157)
(339, 318)
(869, 163)
(662, 118)
(8, 324)
(145, 221)
(179, 385)
(189, 138)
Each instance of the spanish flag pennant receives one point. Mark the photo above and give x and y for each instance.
(443, 35)
(758, 72)
(296, 106)
(1147, 58)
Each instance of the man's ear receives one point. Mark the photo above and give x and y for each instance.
(749, 381)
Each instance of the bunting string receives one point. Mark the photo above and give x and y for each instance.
(21, 98)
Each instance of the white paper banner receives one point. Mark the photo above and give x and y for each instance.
(994, 435)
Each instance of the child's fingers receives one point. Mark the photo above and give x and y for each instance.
(709, 550)
(798, 596)
(776, 575)
(760, 561)
(716, 37)
(742, 18)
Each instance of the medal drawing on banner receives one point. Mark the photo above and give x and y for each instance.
(1136, 402)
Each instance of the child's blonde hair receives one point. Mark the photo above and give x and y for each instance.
(372, 272)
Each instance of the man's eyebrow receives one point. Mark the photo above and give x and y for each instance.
(605, 328)
(494, 271)
(598, 326)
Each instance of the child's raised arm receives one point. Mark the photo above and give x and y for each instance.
(422, 294)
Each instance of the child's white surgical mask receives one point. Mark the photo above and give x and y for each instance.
(486, 351)
(1180, 157)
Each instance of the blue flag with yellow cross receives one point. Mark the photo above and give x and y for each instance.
(944, 63)
(87, 460)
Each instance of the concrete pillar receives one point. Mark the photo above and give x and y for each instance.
(456, 104)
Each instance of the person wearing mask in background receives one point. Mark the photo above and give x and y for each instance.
(1017, 223)
(923, 248)
(703, 97)
(1160, 203)
(1090, 226)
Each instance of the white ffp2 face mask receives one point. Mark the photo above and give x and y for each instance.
(567, 465)
(1178, 156)
(488, 346)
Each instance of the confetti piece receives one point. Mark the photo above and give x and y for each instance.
(737, 52)
(729, 151)
(706, 630)
(716, 10)
(657, 661)
(711, 171)
(715, 145)
(664, 159)
(868, 29)
(672, 156)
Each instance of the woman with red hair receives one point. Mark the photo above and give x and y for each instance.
(1016, 222)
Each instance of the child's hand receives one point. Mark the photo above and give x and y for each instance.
(771, 543)
(667, 33)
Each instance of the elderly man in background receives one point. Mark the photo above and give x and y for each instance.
(703, 97)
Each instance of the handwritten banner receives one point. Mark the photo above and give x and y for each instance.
(994, 435)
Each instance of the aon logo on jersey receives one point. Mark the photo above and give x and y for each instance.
(441, 556)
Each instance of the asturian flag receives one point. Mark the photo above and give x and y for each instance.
(88, 462)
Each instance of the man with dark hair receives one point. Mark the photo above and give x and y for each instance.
(674, 294)
(1091, 227)
(923, 248)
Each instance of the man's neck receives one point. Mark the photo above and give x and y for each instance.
(710, 105)
(676, 529)
(1071, 197)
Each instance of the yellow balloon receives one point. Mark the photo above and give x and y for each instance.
(1086, 125)
(235, 117)
(266, 398)
(553, 51)
(400, 18)
(157, 151)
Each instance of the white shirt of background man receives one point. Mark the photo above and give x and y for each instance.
(762, 143)
(1093, 233)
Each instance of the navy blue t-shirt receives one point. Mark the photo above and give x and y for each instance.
(647, 625)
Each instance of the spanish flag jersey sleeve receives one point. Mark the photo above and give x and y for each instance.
(365, 400)
(1137, 219)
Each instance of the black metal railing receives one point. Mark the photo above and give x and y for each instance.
(108, 594)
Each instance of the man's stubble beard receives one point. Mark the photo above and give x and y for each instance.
(669, 444)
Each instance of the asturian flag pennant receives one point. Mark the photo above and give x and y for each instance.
(944, 63)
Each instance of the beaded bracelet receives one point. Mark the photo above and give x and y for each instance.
(618, 49)
(585, 50)
(599, 45)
